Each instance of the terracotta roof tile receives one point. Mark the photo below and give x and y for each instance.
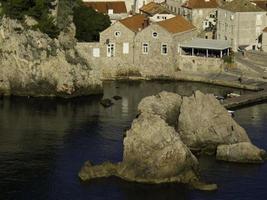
(136, 22)
(176, 24)
(241, 6)
(103, 7)
(261, 4)
(153, 8)
(195, 4)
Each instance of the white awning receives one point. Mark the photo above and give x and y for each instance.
(200, 43)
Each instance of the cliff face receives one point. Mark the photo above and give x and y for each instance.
(33, 64)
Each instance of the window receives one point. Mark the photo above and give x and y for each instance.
(258, 20)
(154, 34)
(96, 52)
(145, 48)
(110, 11)
(125, 49)
(111, 50)
(117, 33)
(164, 49)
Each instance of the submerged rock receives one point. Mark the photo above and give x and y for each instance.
(204, 123)
(243, 152)
(116, 97)
(33, 64)
(106, 103)
(165, 104)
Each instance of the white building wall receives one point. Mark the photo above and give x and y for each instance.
(240, 28)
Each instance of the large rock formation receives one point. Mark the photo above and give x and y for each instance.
(33, 64)
(243, 152)
(154, 152)
(165, 104)
(204, 123)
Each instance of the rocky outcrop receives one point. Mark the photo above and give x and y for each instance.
(165, 104)
(153, 153)
(33, 64)
(204, 124)
(153, 150)
(243, 152)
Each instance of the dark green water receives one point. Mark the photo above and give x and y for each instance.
(44, 143)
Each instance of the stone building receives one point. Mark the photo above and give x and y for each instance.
(202, 13)
(133, 41)
(264, 39)
(134, 46)
(156, 12)
(116, 10)
(241, 22)
(175, 6)
(158, 44)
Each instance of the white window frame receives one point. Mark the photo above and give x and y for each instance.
(125, 48)
(111, 50)
(145, 48)
(161, 48)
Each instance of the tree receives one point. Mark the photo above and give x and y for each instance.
(47, 25)
(38, 9)
(89, 23)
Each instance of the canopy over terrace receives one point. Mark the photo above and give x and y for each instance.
(205, 48)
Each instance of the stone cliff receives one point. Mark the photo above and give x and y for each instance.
(33, 64)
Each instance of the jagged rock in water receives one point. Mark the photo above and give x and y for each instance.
(154, 152)
(165, 104)
(243, 152)
(204, 123)
(33, 64)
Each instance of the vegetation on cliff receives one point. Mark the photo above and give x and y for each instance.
(40, 10)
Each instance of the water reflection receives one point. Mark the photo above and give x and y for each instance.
(44, 142)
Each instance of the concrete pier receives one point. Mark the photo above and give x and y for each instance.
(246, 99)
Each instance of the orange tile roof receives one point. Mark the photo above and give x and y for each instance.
(103, 7)
(265, 29)
(195, 4)
(136, 22)
(153, 8)
(261, 4)
(176, 24)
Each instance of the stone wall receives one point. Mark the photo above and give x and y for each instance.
(199, 64)
(264, 41)
(199, 15)
(240, 28)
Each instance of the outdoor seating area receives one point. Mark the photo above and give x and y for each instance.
(205, 48)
